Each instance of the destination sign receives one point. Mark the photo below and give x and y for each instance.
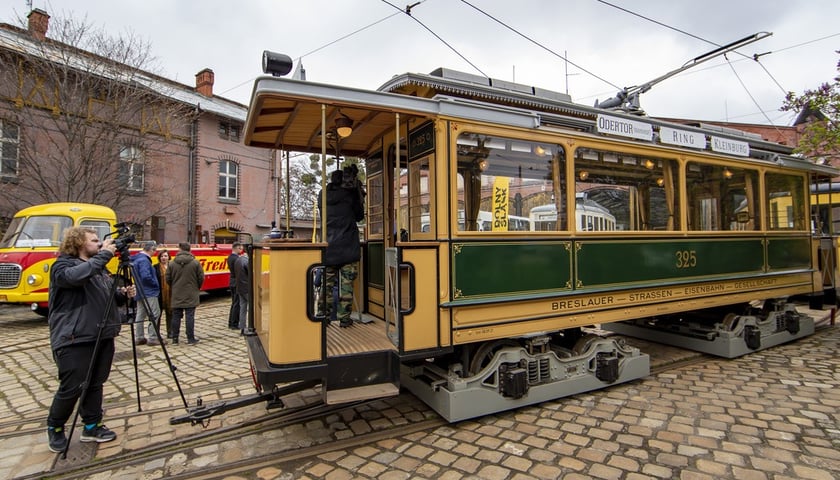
(624, 127)
(682, 138)
(732, 147)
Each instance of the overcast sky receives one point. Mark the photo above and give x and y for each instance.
(341, 42)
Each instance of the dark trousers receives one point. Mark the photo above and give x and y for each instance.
(243, 300)
(177, 313)
(73, 362)
(233, 316)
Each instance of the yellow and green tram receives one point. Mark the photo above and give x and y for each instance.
(500, 219)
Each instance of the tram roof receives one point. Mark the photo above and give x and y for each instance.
(285, 113)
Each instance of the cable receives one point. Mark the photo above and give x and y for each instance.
(324, 46)
(754, 57)
(407, 11)
(539, 44)
(766, 117)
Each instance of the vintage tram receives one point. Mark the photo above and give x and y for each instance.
(628, 218)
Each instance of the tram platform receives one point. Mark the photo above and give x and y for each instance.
(773, 414)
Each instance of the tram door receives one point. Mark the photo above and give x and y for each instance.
(410, 252)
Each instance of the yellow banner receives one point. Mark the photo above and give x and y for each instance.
(501, 190)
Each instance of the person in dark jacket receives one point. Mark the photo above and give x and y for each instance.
(81, 290)
(233, 316)
(243, 288)
(148, 293)
(344, 209)
(185, 277)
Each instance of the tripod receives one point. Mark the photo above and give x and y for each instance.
(126, 277)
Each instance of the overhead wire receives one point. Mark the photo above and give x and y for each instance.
(754, 57)
(407, 11)
(343, 37)
(540, 45)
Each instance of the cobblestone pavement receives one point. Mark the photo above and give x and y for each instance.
(772, 415)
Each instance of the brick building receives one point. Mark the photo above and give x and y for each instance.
(178, 159)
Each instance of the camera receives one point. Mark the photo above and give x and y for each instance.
(123, 238)
(349, 176)
(351, 181)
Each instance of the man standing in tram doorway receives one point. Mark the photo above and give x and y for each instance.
(341, 258)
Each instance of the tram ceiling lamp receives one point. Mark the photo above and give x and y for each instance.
(649, 164)
(481, 164)
(343, 126)
(727, 173)
(583, 175)
(660, 181)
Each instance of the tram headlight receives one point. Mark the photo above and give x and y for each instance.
(34, 280)
(276, 64)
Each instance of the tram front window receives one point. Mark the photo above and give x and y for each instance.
(785, 202)
(503, 183)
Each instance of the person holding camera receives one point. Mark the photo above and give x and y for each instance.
(344, 209)
(81, 290)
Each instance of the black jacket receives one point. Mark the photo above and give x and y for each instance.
(243, 278)
(344, 209)
(80, 291)
(231, 261)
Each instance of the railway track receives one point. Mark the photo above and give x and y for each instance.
(134, 462)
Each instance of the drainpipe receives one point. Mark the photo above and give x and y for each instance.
(193, 165)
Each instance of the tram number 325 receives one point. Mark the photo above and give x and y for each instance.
(686, 258)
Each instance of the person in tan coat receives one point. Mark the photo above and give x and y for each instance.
(185, 277)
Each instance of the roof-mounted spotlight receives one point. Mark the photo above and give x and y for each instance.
(276, 64)
(343, 126)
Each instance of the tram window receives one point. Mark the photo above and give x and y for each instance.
(721, 197)
(507, 184)
(375, 219)
(621, 191)
(785, 202)
(419, 198)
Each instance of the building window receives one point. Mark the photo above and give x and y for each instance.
(230, 131)
(9, 143)
(228, 176)
(132, 168)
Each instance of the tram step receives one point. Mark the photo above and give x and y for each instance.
(366, 392)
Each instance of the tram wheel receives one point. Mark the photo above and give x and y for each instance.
(485, 353)
(584, 343)
(731, 322)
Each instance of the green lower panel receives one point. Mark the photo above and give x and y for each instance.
(496, 269)
(376, 263)
(786, 253)
(606, 263)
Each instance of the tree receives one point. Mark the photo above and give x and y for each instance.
(92, 123)
(305, 183)
(821, 138)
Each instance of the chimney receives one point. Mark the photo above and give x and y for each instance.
(204, 82)
(39, 21)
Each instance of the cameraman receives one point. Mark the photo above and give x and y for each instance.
(344, 209)
(80, 292)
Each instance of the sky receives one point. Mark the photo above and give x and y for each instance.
(588, 48)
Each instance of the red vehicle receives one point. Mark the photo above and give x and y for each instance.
(31, 242)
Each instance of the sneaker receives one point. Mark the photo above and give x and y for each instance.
(56, 438)
(174, 341)
(345, 323)
(140, 341)
(99, 434)
(193, 341)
